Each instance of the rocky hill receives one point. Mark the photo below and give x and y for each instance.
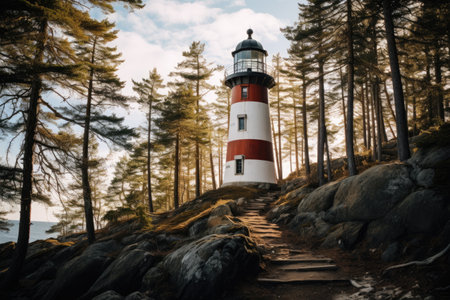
(390, 213)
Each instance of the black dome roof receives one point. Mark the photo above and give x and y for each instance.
(249, 44)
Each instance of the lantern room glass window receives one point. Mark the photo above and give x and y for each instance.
(249, 61)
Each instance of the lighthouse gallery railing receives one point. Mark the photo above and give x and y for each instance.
(247, 66)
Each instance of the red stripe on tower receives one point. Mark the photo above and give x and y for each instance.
(255, 92)
(251, 149)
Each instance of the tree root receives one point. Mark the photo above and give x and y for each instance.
(424, 262)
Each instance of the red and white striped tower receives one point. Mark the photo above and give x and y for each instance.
(249, 151)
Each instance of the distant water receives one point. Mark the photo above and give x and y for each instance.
(37, 231)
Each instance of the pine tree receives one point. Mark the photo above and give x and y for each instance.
(36, 60)
(195, 70)
(147, 90)
(402, 129)
(176, 124)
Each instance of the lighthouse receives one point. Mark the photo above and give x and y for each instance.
(249, 150)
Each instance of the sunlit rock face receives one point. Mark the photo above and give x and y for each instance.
(390, 206)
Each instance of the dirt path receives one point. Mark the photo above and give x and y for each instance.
(289, 273)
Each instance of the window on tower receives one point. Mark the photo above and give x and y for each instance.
(242, 122)
(239, 160)
(244, 92)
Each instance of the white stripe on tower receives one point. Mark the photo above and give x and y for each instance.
(258, 128)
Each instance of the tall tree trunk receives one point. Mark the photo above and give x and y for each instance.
(329, 171)
(344, 114)
(280, 160)
(220, 163)
(149, 157)
(369, 127)
(87, 194)
(430, 107)
(402, 129)
(20, 252)
(176, 172)
(350, 82)
(305, 130)
(321, 124)
(414, 109)
(211, 161)
(375, 92)
(389, 101)
(363, 104)
(297, 166)
(276, 148)
(197, 145)
(374, 136)
(438, 77)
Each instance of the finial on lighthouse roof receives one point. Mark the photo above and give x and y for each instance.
(249, 32)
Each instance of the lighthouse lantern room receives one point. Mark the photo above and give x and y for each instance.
(249, 150)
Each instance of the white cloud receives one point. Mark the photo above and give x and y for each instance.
(141, 56)
(238, 3)
(228, 29)
(174, 12)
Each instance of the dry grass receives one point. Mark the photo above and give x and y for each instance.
(182, 221)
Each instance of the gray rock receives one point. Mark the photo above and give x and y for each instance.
(78, 274)
(391, 253)
(137, 296)
(422, 212)
(46, 271)
(203, 268)
(154, 277)
(109, 295)
(371, 194)
(299, 193)
(220, 211)
(430, 157)
(344, 235)
(384, 231)
(310, 224)
(425, 178)
(198, 227)
(125, 274)
(241, 201)
(320, 199)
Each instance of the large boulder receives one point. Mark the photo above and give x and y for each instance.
(78, 274)
(344, 235)
(310, 224)
(203, 268)
(430, 157)
(320, 199)
(422, 212)
(372, 194)
(125, 274)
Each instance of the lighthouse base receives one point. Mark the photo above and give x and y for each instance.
(259, 185)
(253, 172)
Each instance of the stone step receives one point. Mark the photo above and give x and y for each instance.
(302, 267)
(302, 277)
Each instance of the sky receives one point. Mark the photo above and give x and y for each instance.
(156, 36)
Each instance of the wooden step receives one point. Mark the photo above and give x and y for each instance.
(302, 267)
(302, 259)
(302, 277)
